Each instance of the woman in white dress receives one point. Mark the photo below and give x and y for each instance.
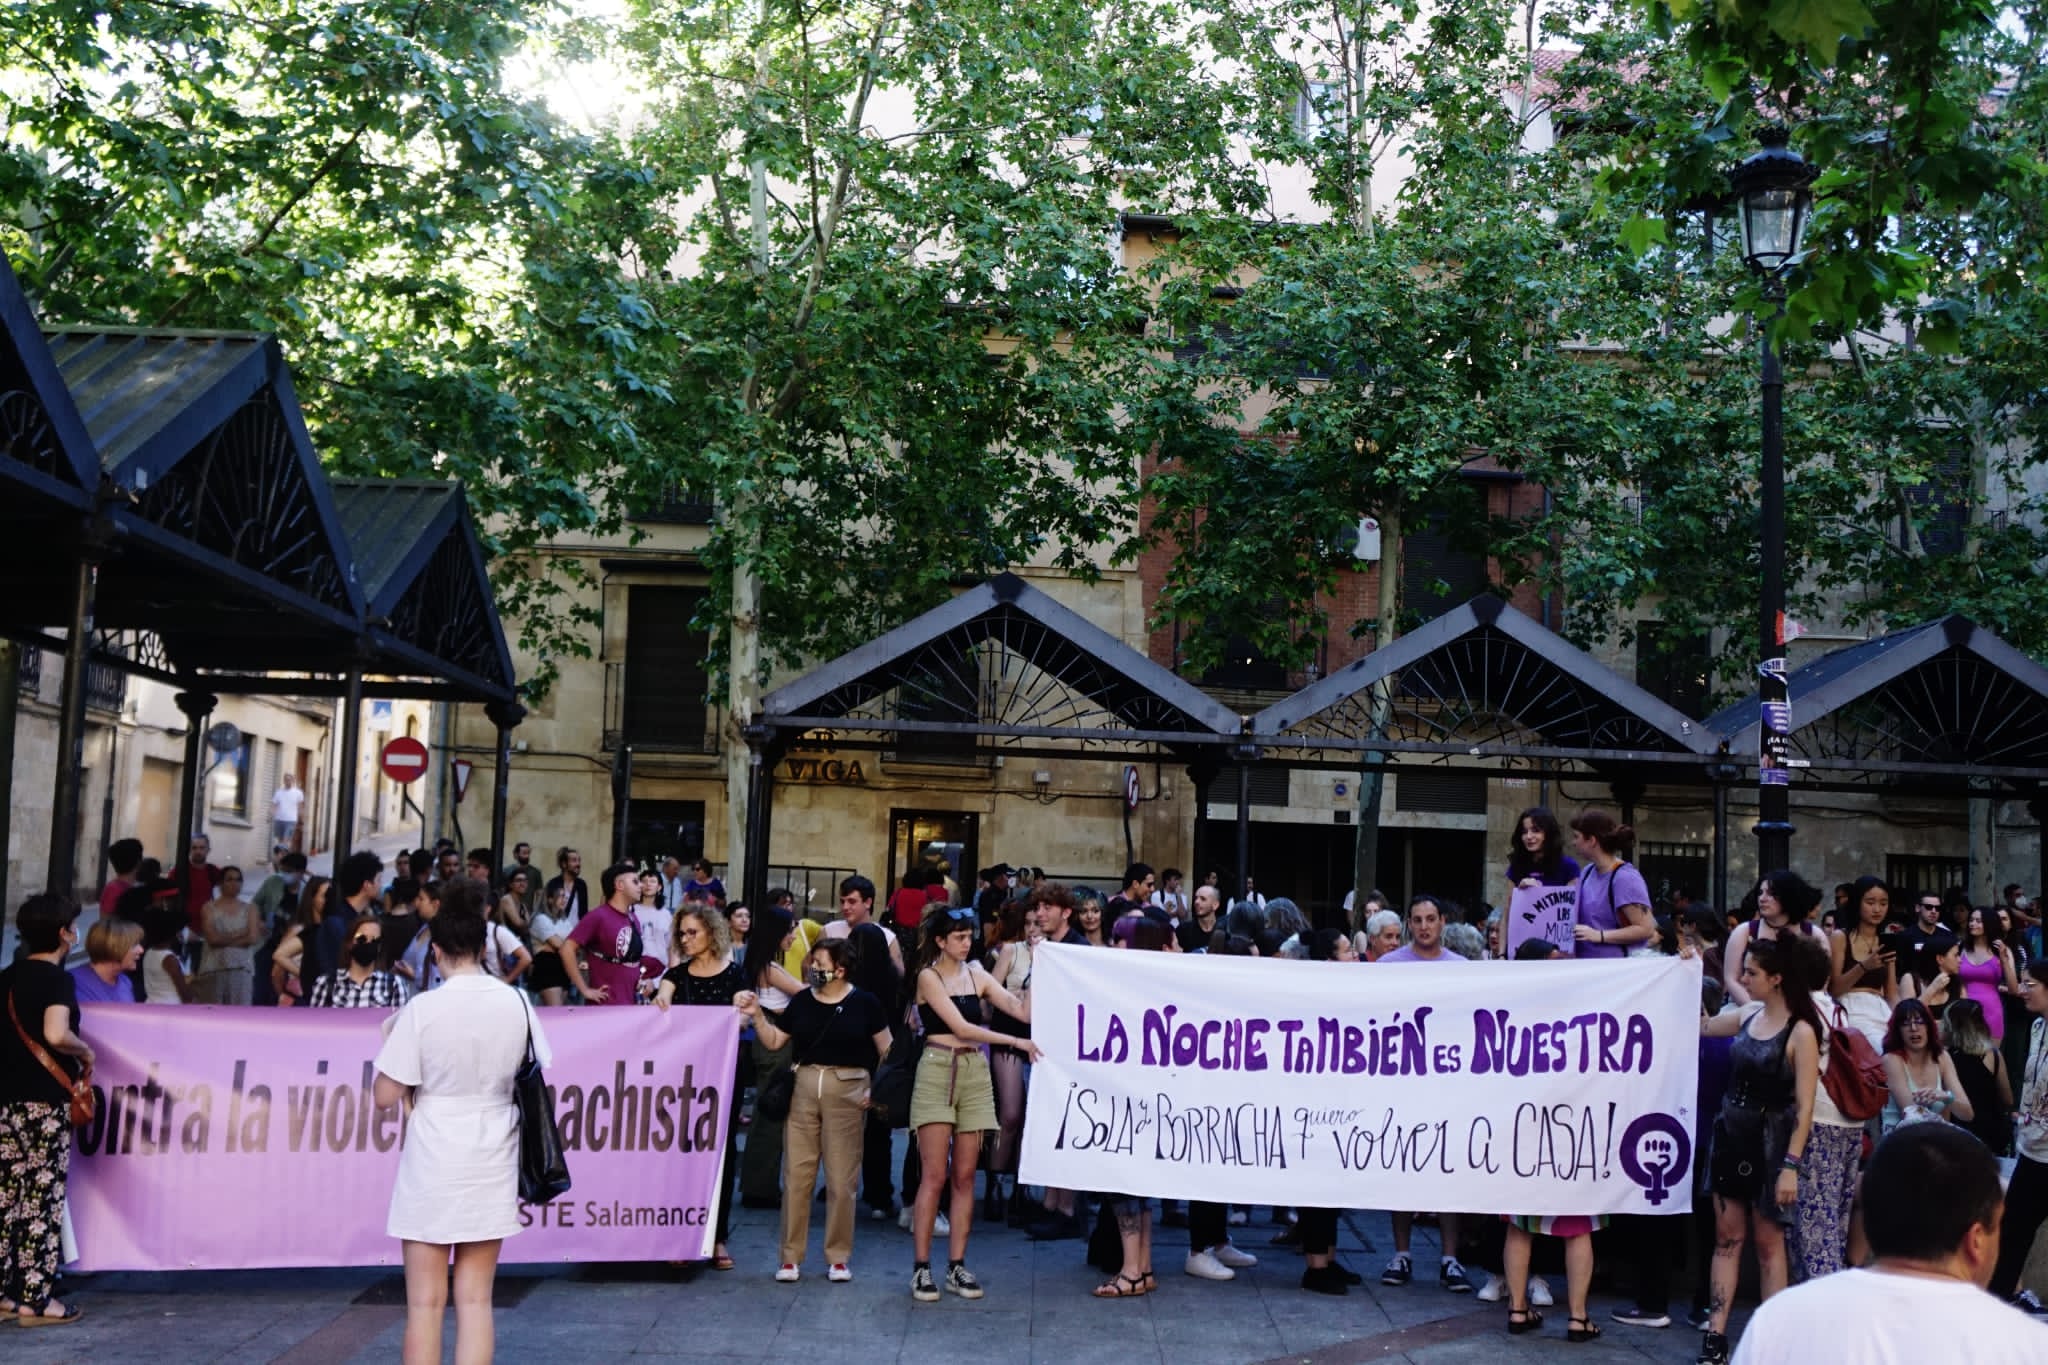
(451, 1054)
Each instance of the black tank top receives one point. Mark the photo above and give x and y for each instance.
(935, 1027)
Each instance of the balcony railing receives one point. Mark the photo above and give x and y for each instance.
(106, 685)
(657, 724)
(678, 505)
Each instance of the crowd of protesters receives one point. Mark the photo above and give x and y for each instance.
(935, 980)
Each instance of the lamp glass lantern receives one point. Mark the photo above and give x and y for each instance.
(1774, 200)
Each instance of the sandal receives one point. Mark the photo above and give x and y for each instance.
(1574, 1332)
(72, 1313)
(722, 1261)
(1114, 1288)
(1523, 1320)
(1150, 1282)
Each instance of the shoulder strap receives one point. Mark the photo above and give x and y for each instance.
(42, 1054)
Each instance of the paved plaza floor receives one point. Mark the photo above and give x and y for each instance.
(1038, 1309)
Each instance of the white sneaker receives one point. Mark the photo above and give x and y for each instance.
(1237, 1260)
(1494, 1290)
(1204, 1266)
(1238, 1217)
(1539, 1292)
(941, 1225)
(787, 1274)
(903, 1218)
(839, 1272)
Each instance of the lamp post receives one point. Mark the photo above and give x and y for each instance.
(1774, 200)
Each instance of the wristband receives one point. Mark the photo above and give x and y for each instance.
(1794, 1164)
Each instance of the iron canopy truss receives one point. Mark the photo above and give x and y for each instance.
(1932, 709)
(1483, 686)
(1003, 662)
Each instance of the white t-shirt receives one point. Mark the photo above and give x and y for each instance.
(1875, 1318)
(657, 928)
(285, 803)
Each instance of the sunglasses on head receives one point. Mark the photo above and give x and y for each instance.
(961, 915)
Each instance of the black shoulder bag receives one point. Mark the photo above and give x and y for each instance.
(543, 1167)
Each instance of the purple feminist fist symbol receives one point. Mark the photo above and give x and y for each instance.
(1656, 1152)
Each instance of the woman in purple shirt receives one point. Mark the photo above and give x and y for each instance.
(1614, 900)
(113, 947)
(1536, 857)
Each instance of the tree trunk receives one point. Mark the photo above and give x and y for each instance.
(1371, 776)
(743, 655)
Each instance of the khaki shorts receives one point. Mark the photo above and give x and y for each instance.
(953, 1087)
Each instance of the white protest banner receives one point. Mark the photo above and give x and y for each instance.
(1546, 914)
(1454, 1086)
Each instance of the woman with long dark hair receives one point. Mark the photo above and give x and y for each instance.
(1864, 979)
(1134, 1278)
(1760, 1135)
(1784, 900)
(1536, 855)
(288, 959)
(768, 938)
(952, 1103)
(1987, 970)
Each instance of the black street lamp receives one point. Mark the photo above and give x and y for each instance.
(1774, 196)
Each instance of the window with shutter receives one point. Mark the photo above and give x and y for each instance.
(666, 686)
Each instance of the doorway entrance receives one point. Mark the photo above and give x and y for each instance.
(661, 829)
(1312, 865)
(929, 838)
(156, 817)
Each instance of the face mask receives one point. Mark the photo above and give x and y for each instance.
(820, 979)
(364, 954)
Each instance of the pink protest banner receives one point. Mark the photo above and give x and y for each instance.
(234, 1138)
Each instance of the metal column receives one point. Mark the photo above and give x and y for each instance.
(1774, 791)
(196, 707)
(506, 716)
(347, 774)
(63, 873)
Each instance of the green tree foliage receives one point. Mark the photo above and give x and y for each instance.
(1911, 334)
(359, 179)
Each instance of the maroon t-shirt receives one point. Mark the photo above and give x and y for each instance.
(606, 938)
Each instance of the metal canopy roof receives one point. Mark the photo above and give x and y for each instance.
(1004, 661)
(45, 449)
(1477, 683)
(1929, 706)
(226, 564)
(425, 584)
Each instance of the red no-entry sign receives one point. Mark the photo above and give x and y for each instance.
(404, 759)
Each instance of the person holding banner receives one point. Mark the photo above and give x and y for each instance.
(1425, 944)
(451, 1055)
(952, 1102)
(1614, 900)
(35, 1105)
(1766, 1119)
(837, 1035)
(706, 975)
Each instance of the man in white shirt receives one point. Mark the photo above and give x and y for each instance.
(1931, 1209)
(285, 804)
